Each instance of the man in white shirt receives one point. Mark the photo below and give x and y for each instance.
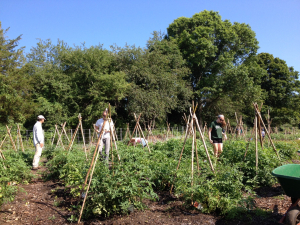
(38, 141)
(106, 134)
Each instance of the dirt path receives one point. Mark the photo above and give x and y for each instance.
(46, 203)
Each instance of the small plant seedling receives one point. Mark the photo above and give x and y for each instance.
(52, 217)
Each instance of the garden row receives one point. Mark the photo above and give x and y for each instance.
(141, 175)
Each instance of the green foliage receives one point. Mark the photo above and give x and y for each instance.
(15, 169)
(282, 87)
(140, 174)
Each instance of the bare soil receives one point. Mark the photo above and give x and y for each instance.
(45, 203)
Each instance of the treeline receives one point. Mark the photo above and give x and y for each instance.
(203, 58)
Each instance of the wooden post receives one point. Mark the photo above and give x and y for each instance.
(139, 127)
(73, 137)
(59, 137)
(259, 116)
(6, 135)
(83, 138)
(203, 141)
(256, 150)
(186, 135)
(54, 135)
(11, 139)
(20, 137)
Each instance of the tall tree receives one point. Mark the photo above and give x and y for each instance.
(282, 87)
(213, 48)
(15, 88)
(158, 79)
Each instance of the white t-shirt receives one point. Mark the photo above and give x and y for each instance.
(38, 134)
(99, 124)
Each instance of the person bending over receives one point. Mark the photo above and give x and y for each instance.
(216, 133)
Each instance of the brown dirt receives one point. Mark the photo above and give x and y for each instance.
(45, 203)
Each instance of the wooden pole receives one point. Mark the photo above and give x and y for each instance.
(64, 130)
(195, 133)
(256, 150)
(20, 137)
(54, 135)
(203, 140)
(193, 145)
(186, 135)
(73, 137)
(59, 137)
(135, 127)
(83, 138)
(259, 116)
(92, 166)
(6, 135)
(11, 139)
(139, 127)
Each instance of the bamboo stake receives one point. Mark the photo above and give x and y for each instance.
(139, 127)
(256, 150)
(59, 137)
(186, 135)
(249, 141)
(53, 136)
(20, 137)
(87, 190)
(64, 130)
(6, 135)
(193, 144)
(135, 128)
(73, 137)
(203, 140)
(83, 138)
(195, 133)
(258, 113)
(92, 166)
(11, 139)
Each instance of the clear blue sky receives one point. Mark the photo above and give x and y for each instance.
(276, 22)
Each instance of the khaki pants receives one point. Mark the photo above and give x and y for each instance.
(106, 143)
(37, 155)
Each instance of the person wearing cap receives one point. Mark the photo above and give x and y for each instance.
(38, 141)
(106, 134)
(216, 133)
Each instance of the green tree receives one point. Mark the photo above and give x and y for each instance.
(157, 76)
(74, 80)
(212, 49)
(282, 87)
(15, 87)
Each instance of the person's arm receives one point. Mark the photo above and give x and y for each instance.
(209, 135)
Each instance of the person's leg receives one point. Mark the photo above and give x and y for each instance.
(220, 149)
(215, 149)
(37, 156)
(101, 147)
(107, 147)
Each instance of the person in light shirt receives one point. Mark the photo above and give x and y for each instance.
(38, 141)
(106, 134)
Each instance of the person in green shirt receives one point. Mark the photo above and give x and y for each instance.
(216, 133)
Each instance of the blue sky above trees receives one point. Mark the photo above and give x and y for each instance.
(276, 23)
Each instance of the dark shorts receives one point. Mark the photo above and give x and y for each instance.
(217, 141)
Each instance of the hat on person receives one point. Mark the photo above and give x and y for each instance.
(41, 117)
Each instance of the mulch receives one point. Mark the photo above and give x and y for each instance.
(45, 202)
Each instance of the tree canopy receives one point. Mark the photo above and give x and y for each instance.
(203, 58)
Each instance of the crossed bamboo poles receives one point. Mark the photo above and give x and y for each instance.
(193, 125)
(94, 159)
